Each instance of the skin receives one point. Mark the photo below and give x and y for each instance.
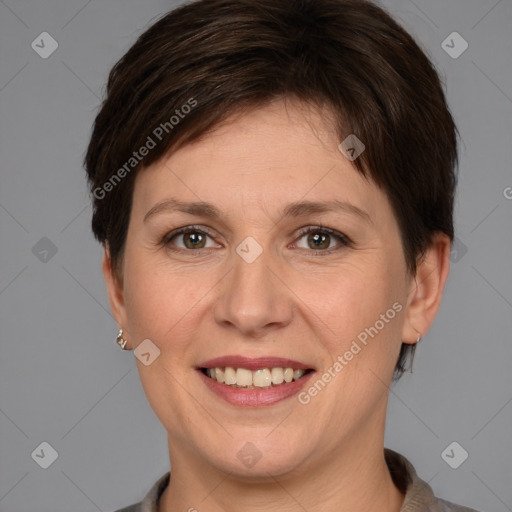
(196, 304)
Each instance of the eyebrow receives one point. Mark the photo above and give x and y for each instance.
(297, 209)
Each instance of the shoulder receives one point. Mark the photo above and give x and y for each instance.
(150, 501)
(446, 506)
(419, 496)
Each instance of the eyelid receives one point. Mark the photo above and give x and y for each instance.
(319, 228)
(186, 229)
(344, 240)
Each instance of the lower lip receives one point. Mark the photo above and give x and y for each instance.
(255, 397)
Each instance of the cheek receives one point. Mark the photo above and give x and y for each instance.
(162, 302)
(360, 303)
(353, 294)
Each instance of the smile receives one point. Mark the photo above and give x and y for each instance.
(253, 379)
(254, 382)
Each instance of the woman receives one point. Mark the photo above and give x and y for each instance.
(273, 185)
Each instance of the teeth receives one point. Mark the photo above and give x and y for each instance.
(277, 375)
(229, 376)
(243, 377)
(264, 378)
(297, 374)
(288, 375)
(219, 375)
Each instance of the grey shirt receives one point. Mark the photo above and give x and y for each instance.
(418, 494)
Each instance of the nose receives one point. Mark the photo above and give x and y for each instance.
(253, 299)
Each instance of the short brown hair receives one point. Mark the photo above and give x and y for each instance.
(231, 55)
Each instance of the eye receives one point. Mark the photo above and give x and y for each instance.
(192, 237)
(319, 240)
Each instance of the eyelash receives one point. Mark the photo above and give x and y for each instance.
(343, 239)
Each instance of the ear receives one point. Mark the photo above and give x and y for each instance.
(426, 289)
(115, 293)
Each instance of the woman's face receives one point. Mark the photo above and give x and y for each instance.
(250, 286)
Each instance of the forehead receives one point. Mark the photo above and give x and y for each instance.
(264, 158)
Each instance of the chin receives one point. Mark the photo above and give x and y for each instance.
(259, 458)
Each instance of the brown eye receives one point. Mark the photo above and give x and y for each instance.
(193, 240)
(190, 237)
(320, 240)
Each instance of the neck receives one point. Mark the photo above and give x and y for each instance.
(353, 477)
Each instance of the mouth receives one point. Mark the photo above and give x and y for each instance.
(262, 378)
(256, 382)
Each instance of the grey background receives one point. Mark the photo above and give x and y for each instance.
(62, 378)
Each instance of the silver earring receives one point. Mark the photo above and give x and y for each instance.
(120, 340)
(418, 339)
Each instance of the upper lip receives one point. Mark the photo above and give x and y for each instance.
(254, 364)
